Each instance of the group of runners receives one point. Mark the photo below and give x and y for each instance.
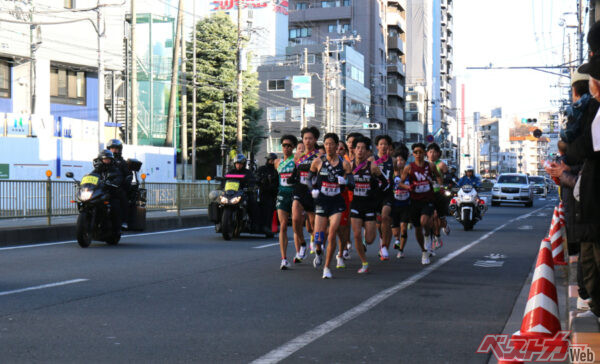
(359, 188)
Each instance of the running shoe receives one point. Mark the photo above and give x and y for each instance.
(327, 273)
(302, 253)
(425, 258)
(383, 253)
(312, 247)
(397, 245)
(364, 268)
(346, 255)
(317, 261)
(438, 242)
(284, 264)
(297, 259)
(400, 254)
(349, 247)
(447, 230)
(340, 263)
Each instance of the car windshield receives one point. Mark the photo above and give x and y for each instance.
(536, 179)
(521, 180)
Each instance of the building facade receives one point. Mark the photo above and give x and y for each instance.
(396, 68)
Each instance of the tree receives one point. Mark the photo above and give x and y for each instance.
(216, 40)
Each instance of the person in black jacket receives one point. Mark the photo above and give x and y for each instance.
(248, 181)
(116, 147)
(113, 178)
(268, 183)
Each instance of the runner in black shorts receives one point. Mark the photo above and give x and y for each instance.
(401, 207)
(303, 201)
(333, 173)
(440, 202)
(386, 165)
(367, 177)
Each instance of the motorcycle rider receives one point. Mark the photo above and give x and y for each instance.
(116, 147)
(249, 182)
(469, 178)
(113, 178)
(268, 182)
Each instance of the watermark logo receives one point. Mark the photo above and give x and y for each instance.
(527, 349)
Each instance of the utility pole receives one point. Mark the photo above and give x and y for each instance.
(170, 140)
(134, 90)
(33, 47)
(326, 85)
(303, 100)
(194, 93)
(240, 108)
(580, 32)
(184, 88)
(101, 32)
(223, 146)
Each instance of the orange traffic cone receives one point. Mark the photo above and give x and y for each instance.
(561, 214)
(555, 236)
(275, 223)
(540, 320)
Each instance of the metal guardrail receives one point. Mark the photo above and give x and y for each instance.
(47, 198)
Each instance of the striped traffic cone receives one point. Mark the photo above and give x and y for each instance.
(561, 214)
(540, 320)
(555, 236)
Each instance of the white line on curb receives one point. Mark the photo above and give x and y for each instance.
(265, 246)
(308, 337)
(49, 285)
(122, 237)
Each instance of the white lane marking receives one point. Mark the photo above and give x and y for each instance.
(122, 237)
(525, 227)
(265, 246)
(308, 337)
(49, 285)
(495, 256)
(489, 263)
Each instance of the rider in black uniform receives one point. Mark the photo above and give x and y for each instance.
(112, 176)
(116, 147)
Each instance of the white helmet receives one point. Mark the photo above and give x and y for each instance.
(470, 168)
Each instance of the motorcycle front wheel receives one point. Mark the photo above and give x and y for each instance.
(84, 235)
(227, 224)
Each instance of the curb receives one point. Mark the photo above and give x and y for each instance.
(44, 234)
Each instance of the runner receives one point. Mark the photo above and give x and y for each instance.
(285, 195)
(401, 207)
(333, 173)
(344, 229)
(420, 174)
(350, 158)
(440, 201)
(303, 202)
(367, 177)
(385, 197)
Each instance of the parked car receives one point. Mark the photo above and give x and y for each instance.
(538, 185)
(512, 188)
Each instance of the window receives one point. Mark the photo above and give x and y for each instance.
(4, 80)
(276, 114)
(341, 28)
(347, 3)
(67, 87)
(276, 85)
(300, 33)
(69, 4)
(345, 28)
(296, 114)
(332, 28)
(328, 4)
(301, 6)
(356, 74)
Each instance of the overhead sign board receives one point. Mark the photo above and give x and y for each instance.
(301, 87)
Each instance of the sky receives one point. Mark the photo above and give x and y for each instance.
(511, 33)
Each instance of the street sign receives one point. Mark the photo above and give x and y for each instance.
(429, 138)
(4, 171)
(371, 126)
(301, 87)
(309, 110)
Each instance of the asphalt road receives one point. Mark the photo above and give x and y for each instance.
(190, 296)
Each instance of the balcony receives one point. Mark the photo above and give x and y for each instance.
(400, 3)
(396, 43)
(395, 88)
(395, 19)
(319, 14)
(395, 112)
(396, 67)
(444, 4)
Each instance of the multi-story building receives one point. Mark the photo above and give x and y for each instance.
(312, 22)
(396, 68)
(489, 142)
(531, 152)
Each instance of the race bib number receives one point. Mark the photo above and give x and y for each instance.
(422, 187)
(330, 189)
(401, 194)
(232, 186)
(304, 178)
(361, 189)
(284, 179)
(89, 180)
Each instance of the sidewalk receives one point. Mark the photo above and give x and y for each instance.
(36, 229)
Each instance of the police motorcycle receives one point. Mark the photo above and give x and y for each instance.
(467, 207)
(229, 207)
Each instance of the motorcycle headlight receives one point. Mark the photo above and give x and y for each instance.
(467, 198)
(85, 195)
(448, 193)
(236, 200)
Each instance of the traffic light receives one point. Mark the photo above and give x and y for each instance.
(371, 126)
(466, 155)
(528, 120)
